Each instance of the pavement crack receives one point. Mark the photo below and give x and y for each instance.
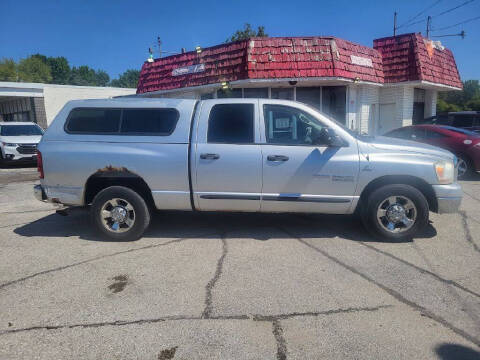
(96, 258)
(468, 234)
(318, 313)
(207, 312)
(279, 338)
(389, 291)
(422, 270)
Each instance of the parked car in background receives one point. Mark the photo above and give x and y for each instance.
(463, 143)
(18, 141)
(469, 120)
(125, 157)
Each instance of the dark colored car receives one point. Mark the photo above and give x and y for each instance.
(463, 143)
(468, 120)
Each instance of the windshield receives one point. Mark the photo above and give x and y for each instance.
(462, 131)
(20, 130)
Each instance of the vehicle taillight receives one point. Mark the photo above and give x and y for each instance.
(39, 164)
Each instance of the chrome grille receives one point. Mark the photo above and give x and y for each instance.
(27, 149)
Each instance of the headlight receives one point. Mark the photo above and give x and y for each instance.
(9, 144)
(445, 172)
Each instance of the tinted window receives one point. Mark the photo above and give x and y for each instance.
(83, 120)
(463, 121)
(149, 121)
(231, 124)
(430, 134)
(282, 93)
(291, 126)
(309, 95)
(255, 93)
(402, 133)
(229, 93)
(418, 133)
(19, 130)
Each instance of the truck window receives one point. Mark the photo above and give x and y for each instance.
(290, 126)
(149, 121)
(231, 124)
(93, 121)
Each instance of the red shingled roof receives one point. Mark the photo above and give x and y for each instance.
(405, 58)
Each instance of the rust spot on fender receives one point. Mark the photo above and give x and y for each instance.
(111, 170)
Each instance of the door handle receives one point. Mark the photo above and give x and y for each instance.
(209, 156)
(277, 158)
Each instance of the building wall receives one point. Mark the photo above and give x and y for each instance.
(431, 97)
(55, 97)
(367, 109)
(400, 100)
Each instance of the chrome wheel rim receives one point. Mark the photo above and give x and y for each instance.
(117, 215)
(462, 167)
(396, 214)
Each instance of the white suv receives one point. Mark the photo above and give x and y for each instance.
(19, 140)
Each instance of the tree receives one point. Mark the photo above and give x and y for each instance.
(8, 70)
(101, 78)
(33, 69)
(247, 33)
(60, 69)
(467, 99)
(129, 79)
(83, 76)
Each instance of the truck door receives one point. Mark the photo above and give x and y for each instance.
(227, 172)
(299, 173)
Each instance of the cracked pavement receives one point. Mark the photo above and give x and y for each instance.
(234, 286)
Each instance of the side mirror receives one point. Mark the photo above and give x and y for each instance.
(328, 137)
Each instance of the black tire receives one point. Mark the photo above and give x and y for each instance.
(140, 215)
(379, 196)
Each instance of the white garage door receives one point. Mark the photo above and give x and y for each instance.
(387, 119)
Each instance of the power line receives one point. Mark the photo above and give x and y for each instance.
(460, 23)
(454, 8)
(408, 22)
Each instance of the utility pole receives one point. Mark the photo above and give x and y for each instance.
(159, 46)
(429, 19)
(395, 23)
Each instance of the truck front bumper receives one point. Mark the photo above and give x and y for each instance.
(449, 197)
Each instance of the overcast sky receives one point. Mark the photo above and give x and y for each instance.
(114, 35)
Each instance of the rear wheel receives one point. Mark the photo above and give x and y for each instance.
(395, 212)
(120, 213)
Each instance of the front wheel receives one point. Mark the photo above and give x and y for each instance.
(120, 213)
(395, 212)
(464, 167)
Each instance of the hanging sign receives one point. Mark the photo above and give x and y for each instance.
(185, 70)
(362, 61)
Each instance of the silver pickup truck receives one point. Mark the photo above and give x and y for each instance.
(128, 157)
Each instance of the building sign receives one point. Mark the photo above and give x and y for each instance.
(362, 61)
(192, 69)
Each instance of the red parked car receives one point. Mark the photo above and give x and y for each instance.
(463, 143)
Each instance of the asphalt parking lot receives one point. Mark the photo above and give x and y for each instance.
(234, 286)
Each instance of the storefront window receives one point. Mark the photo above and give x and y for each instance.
(206, 96)
(229, 93)
(334, 102)
(309, 95)
(255, 93)
(282, 93)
